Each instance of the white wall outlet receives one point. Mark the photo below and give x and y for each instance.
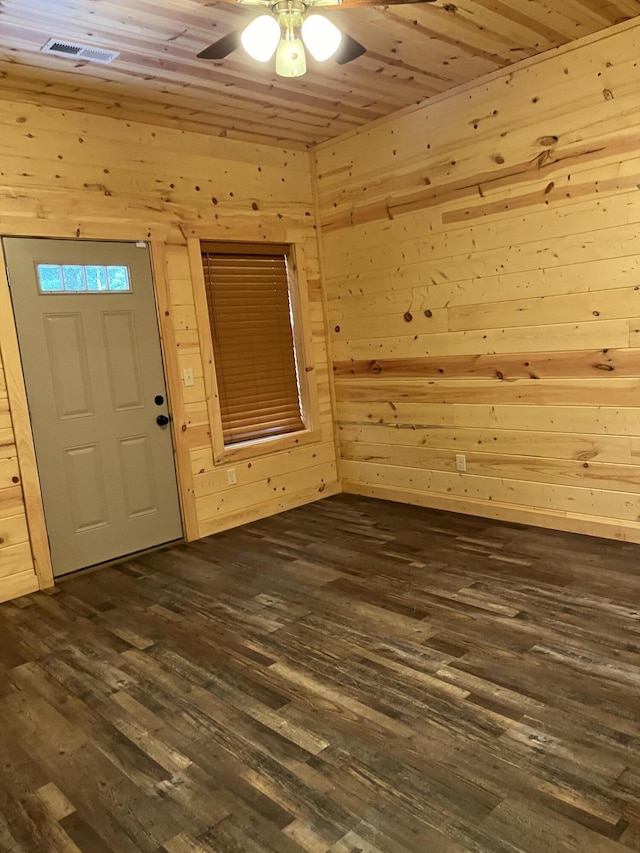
(187, 375)
(461, 462)
(231, 476)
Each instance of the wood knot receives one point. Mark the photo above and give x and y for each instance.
(15, 479)
(608, 94)
(604, 366)
(407, 316)
(547, 141)
(428, 313)
(336, 329)
(543, 158)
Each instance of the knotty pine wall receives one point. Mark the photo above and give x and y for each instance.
(482, 256)
(17, 573)
(73, 174)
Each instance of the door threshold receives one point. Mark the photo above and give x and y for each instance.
(125, 558)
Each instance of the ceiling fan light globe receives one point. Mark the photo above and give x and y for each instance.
(260, 39)
(290, 58)
(321, 37)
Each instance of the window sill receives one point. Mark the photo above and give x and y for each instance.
(266, 446)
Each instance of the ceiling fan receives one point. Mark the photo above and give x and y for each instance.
(287, 27)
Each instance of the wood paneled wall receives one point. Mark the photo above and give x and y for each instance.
(482, 259)
(17, 573)
(68, 174)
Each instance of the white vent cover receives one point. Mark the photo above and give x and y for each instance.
(79, 51)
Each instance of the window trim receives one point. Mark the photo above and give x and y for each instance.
(303, 339)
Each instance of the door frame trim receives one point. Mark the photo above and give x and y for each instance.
(171, 365)
(25, 448)
(155, 237)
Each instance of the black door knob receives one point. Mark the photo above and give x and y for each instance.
(162, 420)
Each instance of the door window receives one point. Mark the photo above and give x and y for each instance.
(83, 278)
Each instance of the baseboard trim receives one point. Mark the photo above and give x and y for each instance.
(19, 584)
(604, 528)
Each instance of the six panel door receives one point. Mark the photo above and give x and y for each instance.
(90, 348)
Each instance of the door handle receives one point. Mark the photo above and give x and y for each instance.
(162, 420)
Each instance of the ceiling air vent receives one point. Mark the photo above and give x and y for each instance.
(79, 51)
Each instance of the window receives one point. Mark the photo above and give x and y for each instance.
(78, 278)
(253, 329)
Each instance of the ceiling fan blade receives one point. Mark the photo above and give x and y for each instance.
(349, 50)
(221, 48)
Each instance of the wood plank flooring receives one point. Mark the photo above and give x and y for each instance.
(354, 675)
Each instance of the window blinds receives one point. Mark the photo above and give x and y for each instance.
(253, 343)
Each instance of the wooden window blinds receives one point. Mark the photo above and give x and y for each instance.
(253, 341)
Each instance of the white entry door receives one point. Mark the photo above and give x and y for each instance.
(90, 348)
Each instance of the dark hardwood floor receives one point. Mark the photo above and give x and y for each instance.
(354, 675)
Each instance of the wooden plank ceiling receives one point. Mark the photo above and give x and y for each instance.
(414, 51)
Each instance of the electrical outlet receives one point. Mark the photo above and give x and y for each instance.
(461, 462)
(187, 375)
(231, 476)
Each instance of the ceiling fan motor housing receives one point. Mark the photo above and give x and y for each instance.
(289, 12)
